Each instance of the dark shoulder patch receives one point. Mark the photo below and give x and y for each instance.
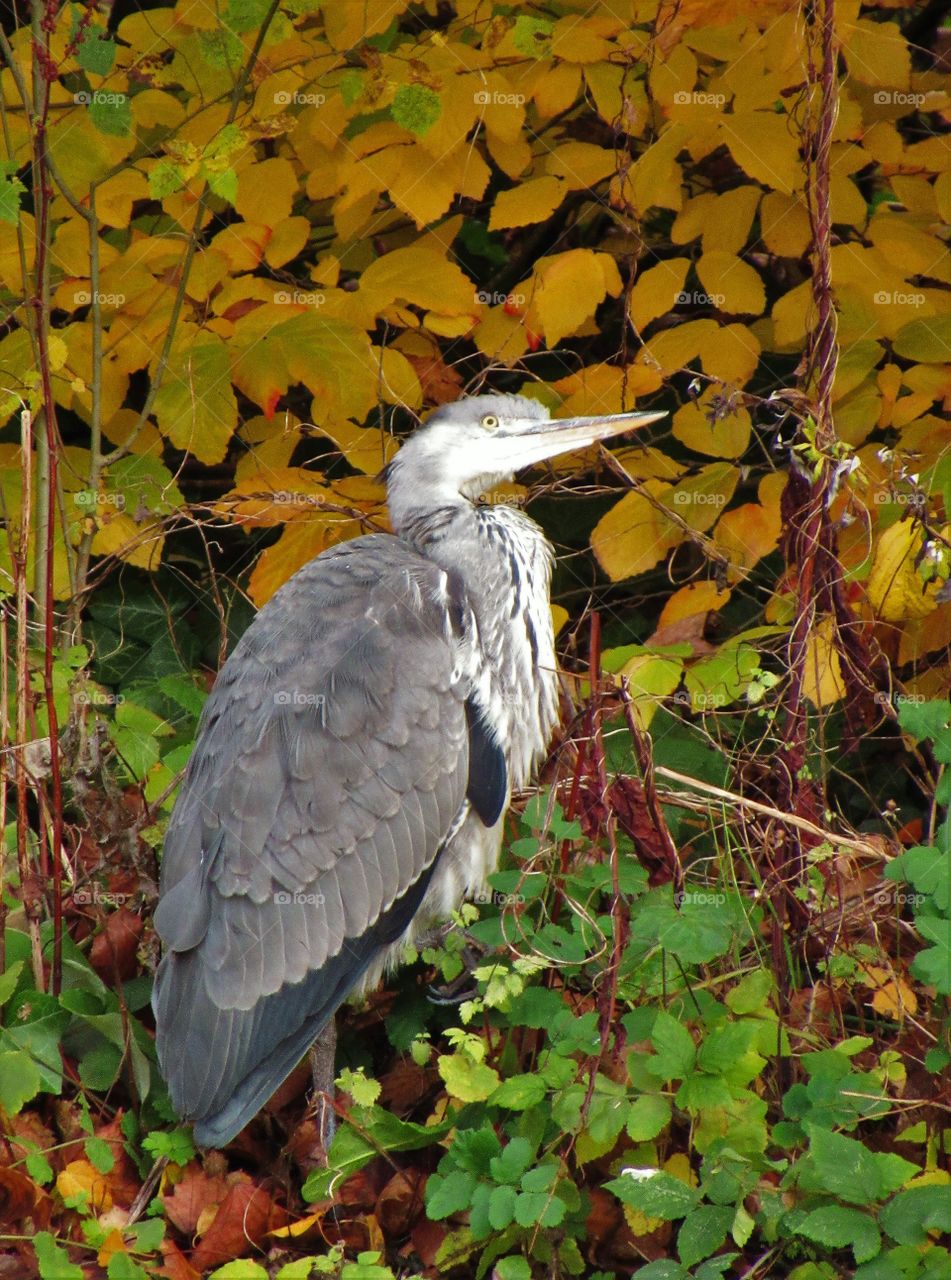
(458, 604)
(488, 775)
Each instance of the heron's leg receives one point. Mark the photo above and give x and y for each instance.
(322, 1054)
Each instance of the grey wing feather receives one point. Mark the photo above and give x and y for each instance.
(305, 832)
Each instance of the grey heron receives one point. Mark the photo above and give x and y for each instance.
(355, 758)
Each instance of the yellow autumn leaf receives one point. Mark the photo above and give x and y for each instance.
(747, 533)
(727, 227)
(115, 197)
(111, 1245)
(876, 52)
(118, 534)
(80, 1178)
(699, 499)
(657, 290)
(892, 996)
(688, 601)
(822, 681)
(559, 617)
(784, 225)
(287, 241)
(556, 90)
(299, 1228)
(731, 283)
(703, 427)
(531, 201)
(651, 678)
(297, 545)
(367, 449)
(581, 164)
(570, 287)
(766, 147)
(195, 406)
(635, 535)
(421, 277)
(655, 179)
(895, 590)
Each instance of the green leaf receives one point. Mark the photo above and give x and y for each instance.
(224, 184)
(502, 1207)
(53, 1261)
(97, 52)
(515, 1158)
(239, 1269)
(165, 179)
(751, 994)
(925, 719)
(100, 1154)
(176, 1144)
(913, 1213)
(9, 979)
(703, 1232)
(532, 36)
(244, 15)
(19, 1081)
(449, 1194)
(838, 1228)
(11, 188)
(122, 1267)
(518, 1093)
(647, 1116)
(927, 341)
(676, 1052)
(513, 1268)
(849, 1170)
(416, 108)
(659, 1195)
(467, 1080)
(111, 113)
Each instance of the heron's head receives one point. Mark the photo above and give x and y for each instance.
(466, 447)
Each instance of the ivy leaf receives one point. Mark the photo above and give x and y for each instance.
(416, 108)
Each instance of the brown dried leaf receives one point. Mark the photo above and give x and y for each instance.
(192, 1196)
(400, 1203)
(113, 953)
(244, 1218)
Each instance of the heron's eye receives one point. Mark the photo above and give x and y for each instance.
(490, 422)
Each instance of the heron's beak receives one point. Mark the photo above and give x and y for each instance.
(535, 441)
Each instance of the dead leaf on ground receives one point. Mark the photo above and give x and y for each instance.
(113, 952)
(193, 1195)
(244, 1217)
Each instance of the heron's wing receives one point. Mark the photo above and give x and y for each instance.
(332, 760)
